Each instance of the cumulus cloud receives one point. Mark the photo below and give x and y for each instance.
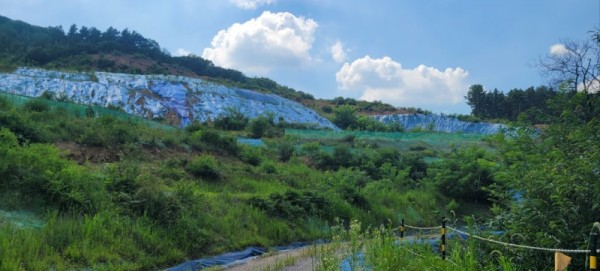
(558, 49)
(251, 4)
(338, 53)
(272, 40)
(182, 52)
(384, 79)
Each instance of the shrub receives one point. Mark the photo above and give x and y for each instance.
(232, 120)
(204, 166)
(251, 155)
(258, 127)
(210, 140)
(37, 105)
(194, 127)
(293, 205)
(268, 167)
(285, 150)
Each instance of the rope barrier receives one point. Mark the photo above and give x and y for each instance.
(423, 228)
(522, 246)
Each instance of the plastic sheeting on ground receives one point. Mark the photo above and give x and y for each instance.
(233, 258)
(251, 141)
(223, 259)
(174, 96)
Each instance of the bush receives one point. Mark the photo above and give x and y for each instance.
(258, 127)
(204, 166)
(293, 205)
(107, 132)
(285, 150)
(232, 120)
(251, 155)
(268, 167)
(210, 140)
(36, 105)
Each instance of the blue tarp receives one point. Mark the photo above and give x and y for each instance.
(223, 259)
(174, 96)
(235, 257)
(441, 123)
(251, 141)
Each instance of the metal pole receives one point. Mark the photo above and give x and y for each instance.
(443, 238)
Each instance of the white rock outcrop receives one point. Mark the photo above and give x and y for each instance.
(157, 96)
(440, 123)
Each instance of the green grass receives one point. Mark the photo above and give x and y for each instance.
(379, 249)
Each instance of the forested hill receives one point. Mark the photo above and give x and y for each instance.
(125, 51)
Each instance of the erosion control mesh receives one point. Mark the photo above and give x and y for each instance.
(83, 110)
(391, 139)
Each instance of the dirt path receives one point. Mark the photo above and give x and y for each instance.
(303, 259)
(292, 260)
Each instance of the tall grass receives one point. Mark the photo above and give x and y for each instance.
(380, 249)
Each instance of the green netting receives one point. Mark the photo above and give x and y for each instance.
(21, 219)
(80, 110)
(366, 135)
(403, 141)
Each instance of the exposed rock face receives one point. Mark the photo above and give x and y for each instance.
(440, 123)
(157, 96)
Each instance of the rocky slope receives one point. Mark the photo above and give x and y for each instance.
(440, 123)
(176, 98)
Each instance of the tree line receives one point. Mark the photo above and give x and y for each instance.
(530, 104)
(53, 47)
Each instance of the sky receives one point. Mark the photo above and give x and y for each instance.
(408, 53)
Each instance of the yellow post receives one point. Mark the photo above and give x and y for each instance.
(443, 238)
(402, 229)
(593, 251)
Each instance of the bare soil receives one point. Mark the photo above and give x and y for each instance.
(291, 260)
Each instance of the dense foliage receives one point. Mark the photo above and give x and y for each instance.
(530, 105)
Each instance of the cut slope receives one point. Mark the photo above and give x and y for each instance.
(439, 123)
(180, 100)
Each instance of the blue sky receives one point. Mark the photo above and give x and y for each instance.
(409, 53)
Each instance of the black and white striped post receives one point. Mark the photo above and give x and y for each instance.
(443, 238)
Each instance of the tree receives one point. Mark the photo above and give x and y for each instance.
(259, 126)
(476, 99)
(550, 179)
(233, 119)
(345, 117)
(575, 65)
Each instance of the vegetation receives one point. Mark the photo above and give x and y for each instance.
(380, 249)
(173, 195)
(530, 105)
(119, 194)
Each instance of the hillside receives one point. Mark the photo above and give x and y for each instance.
(177, 99)
(87, 49)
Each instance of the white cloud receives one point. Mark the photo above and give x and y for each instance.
(338, 53)
(251, 4)
(182, 52)
(558, 49)
(386, 80)
(272, 40)
(592, 86)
